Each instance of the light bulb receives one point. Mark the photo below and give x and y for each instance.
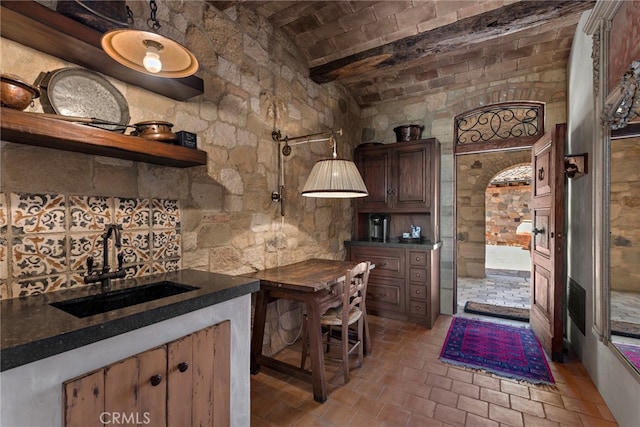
(151, 59)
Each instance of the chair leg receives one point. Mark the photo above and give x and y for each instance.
(305, 339)
(361, 342)
(345, 352)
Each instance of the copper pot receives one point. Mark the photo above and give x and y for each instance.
(155, 130)
(16, 93)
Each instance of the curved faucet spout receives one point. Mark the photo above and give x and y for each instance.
(106, 275)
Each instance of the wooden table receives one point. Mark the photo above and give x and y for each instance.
(315, 283)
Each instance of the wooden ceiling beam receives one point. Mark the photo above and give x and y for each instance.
(479, 28)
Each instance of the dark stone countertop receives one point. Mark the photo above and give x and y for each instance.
(31, 329)
(423, 246)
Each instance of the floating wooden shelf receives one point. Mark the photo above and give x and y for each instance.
(33, 129)
(36, 26)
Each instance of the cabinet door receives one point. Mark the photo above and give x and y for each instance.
(83, 400)
(374, 166)
(152, 387)
(179, 382)
(411, 183)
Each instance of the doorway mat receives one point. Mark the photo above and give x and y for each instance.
(625, 329)
(631, 352)
(499, 311)
(507, 351)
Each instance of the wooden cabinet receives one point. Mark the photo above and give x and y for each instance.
(404, 284)
(398, 176)
(183, 383)
(403, 180)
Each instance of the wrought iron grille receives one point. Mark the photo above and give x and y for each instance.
(499, 122)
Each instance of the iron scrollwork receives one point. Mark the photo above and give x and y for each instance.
(498, 123)
(622, 104)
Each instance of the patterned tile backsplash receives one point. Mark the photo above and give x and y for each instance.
(45, 239)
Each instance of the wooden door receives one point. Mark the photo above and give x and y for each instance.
(547, 246)
(411, 182)
(374, 166)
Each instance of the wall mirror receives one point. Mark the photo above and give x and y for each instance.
(621, 115)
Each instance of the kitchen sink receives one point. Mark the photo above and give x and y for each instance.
(114, 300)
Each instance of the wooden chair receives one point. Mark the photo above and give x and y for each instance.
(351, 311)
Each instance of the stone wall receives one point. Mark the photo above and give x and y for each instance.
(255, 80)
(506, 207)
(625, 221)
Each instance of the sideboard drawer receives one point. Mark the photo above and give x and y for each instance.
(418, 275)
(386, 296)
(418, 258)
(417, 292)
(417, 308)
(388, 262)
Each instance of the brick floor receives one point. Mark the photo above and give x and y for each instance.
(403, 383)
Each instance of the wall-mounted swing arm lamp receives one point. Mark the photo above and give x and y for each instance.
(149, 52)
(330, 178)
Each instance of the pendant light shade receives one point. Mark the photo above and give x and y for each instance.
(335, 178)
(149, 53)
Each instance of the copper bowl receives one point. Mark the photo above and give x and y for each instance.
(408, 132)
(16, 93)
(155, 130)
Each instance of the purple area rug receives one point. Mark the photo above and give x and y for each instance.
(631, 352)
(508, 351)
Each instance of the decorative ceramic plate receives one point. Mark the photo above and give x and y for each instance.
(83, 93)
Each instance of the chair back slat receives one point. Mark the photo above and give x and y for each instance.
(355, 288)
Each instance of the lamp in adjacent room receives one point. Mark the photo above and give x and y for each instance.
(149, 52)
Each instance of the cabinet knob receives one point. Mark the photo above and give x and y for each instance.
(417, 274)
(417, 291)
(182, 367)
(417, 258)
(156, 379)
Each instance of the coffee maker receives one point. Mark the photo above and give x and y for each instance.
(379, 228)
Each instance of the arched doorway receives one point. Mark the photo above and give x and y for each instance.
(492, 205)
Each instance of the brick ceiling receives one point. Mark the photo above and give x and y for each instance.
(390, 50)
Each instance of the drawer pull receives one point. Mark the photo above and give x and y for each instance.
(182, 367)
(417, 258)
(417, 274)
(417, 291)
(382, 264)
(156, 380)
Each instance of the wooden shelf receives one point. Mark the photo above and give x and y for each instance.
(36, 26)
(33, 129)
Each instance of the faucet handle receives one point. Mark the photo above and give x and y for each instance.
(89, 265)
(120, 260)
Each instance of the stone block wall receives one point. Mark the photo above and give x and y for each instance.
(255, 81)
(506, 207)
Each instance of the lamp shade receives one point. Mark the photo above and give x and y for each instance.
(130, 47)
(335, 179)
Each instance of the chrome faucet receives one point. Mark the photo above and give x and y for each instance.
(106, 275)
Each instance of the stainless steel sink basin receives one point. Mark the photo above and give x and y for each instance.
(96, 304)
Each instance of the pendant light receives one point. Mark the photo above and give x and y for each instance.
(332, 178)
(149, 52)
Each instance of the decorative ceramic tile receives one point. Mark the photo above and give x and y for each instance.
(135, 247)
(138, 270)
(132, 213)
(4, 217)
(166, 244)
(37, 213)
(89, 213)
(4, 289)
(82, 246)
(38, 254)
(166, 214)
(4, 259)
(37, 286)
(166, 266)
(75, 280)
